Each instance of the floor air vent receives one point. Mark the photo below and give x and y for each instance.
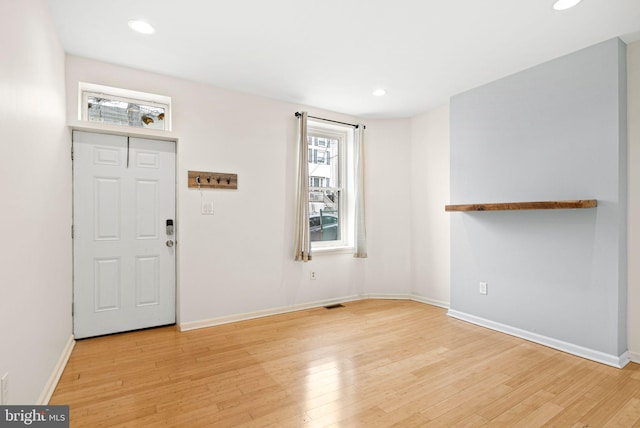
(337, 305)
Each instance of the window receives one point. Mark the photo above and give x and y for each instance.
(123, 107)
(317, 181)
(330, 185)
(321, 155)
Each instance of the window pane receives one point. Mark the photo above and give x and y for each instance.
(324, 162)
(124, 113)
(324, 200)
(324, 215)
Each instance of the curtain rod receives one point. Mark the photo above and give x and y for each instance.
(298, 114)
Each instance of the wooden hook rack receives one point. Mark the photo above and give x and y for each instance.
(212, 180)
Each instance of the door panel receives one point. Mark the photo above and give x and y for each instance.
(107, 284)
(107, 208)
(147, 280)
(146, 196)
(124, 273)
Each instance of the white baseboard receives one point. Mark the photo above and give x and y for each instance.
(46, 394)
(386, 296)
(618, 361)
(635, 357)
(413, 297)
(432, 302)
(193, 325)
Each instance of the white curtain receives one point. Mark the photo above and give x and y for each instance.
(360, 250)
(302, 234)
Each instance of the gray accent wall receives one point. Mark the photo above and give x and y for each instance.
(553, 132)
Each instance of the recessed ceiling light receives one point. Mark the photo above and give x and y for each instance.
(141, 27)
(379, 92)
(565, 4)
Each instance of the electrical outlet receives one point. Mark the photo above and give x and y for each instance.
(4, 388)
(312, 275)
(483, 288)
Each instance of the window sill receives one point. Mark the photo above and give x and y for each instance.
(331, 250)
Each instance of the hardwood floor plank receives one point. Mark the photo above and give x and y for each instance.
(627, 416)
(373, 363)
(414, 420)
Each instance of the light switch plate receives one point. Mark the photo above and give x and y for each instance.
(207, 208)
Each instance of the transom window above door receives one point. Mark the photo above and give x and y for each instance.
(116, 106)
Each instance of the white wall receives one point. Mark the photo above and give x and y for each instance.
(239, 260)
(35, 177)
(388, 197)
(430, 243)
(633, 115)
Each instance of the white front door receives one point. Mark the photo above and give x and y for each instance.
(124, 258)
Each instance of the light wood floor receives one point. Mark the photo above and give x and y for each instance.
(373, 363)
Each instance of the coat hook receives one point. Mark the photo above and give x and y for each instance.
(218, 180)
(209, 179)
(228, 180)
(198, 179)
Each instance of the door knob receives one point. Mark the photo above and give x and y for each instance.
(169, 243)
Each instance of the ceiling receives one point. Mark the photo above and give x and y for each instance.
(332, 54)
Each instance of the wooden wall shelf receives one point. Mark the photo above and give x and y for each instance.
(545, 205)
